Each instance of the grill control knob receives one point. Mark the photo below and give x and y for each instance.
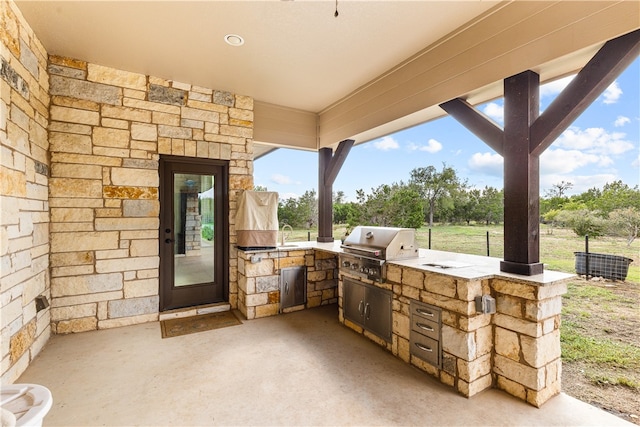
(346, 263)
(354, 266)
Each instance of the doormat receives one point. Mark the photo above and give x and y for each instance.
(204, 322)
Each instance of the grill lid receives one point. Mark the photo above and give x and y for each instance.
(386, 243)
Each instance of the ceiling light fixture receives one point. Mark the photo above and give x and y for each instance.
(234, 40)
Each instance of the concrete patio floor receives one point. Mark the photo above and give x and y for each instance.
(302, 368)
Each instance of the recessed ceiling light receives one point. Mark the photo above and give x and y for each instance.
(234, 40)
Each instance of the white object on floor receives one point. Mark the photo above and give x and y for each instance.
(29, 403)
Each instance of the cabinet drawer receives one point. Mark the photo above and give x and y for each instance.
(425, 327)
(425, 311)
(425, 348)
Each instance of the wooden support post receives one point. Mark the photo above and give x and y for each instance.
(521, 177)
(328, 167)
(526, 136)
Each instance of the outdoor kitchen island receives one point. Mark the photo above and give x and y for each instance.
(516, 348)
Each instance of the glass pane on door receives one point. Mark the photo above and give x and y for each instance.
(193, 215)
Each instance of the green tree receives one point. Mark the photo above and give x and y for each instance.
(405, 209)
(308, 209)
(491, 206)
(434, 186)
(625, 222)
(615, 195)
(583, 222)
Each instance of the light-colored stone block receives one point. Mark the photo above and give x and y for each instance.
(76, 325)
(71, 187)
(111, 76)
(144, 247)
(73, 115)
(134, 177)
(529, 377)
(440, 284)
(73, 312)
(80, 285)
(128, 264)
(126, 113)
(133, 306)
(538, 310)
(460, 344)
(521, 326)
(144, 132)
(507, 343)
(70, 143)
(83, 241)
(141, 288)
(109, 137)
(538, 352)
(107, 224)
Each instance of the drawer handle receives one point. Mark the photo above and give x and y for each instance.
(425, 327)
(423, 347)
(424, 313)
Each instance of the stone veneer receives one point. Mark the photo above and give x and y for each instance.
(259, 281)
(108, 129)
(24, 172)
(517, 349)
(79, 189)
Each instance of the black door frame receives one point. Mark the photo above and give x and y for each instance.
(171, 297)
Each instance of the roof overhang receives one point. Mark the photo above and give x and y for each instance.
(316, 79)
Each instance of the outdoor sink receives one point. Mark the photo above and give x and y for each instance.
(286, 246)
(448, 264)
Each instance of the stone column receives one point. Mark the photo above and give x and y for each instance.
(527, 360)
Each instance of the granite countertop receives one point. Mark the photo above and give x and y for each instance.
(462, 266)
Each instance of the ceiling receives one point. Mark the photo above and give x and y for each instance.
(297, 55)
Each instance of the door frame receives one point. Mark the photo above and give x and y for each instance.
(168, 165)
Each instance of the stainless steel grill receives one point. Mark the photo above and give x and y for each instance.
(367, 249)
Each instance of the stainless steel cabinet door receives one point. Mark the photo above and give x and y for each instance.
(377, 312)
(293, 287)
(353, 301)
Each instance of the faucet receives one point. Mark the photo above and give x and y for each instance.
(282, 235)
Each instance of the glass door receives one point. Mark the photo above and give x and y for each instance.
(193, 233)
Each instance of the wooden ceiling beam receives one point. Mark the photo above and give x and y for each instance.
(600, 72)
(476, 122)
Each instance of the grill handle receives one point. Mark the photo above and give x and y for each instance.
(362, 251)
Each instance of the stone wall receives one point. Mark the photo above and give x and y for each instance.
(24, 171)
(259, 280)
(517, 349)
(108, 129)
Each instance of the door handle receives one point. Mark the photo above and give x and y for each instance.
(367, 311)
(168, 240)
(360, 308)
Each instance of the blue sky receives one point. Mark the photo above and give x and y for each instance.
(602, 145)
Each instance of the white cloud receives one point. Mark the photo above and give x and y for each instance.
(555, 87)
(594, 141)
(489, 163)
(621, 121)
(561, 161)
(432, 146)
(281, 179)
(612, 93)
(636, 162)
(581, 183)
(387, 143)
(287, 196)
(495, 111)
